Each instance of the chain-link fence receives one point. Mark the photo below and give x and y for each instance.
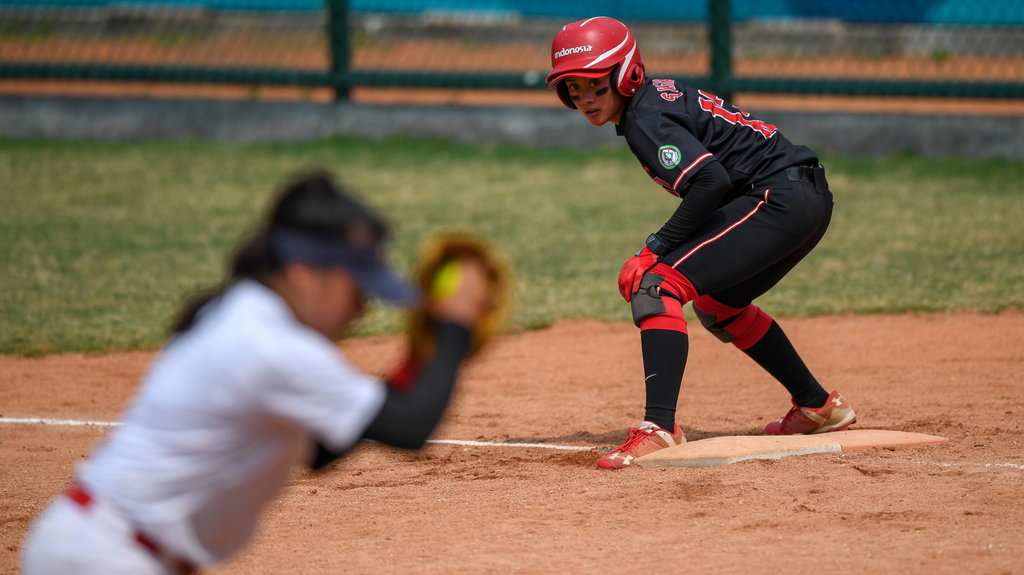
(944, 48)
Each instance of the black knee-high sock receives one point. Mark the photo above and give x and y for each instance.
(665, 353)
(777, 356)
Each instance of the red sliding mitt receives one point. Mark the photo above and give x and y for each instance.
(633, 270)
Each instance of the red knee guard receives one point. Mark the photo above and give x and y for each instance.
(672, 319)
(743, 327)
(681, 291)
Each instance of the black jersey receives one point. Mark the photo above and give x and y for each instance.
(675, 130)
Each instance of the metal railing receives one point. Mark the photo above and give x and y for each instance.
(714, 65)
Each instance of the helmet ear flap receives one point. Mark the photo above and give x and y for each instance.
(632, 80)
(563, 94)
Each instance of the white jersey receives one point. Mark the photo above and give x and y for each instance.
(225, 412)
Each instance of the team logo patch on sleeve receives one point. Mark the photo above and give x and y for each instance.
(669, 157)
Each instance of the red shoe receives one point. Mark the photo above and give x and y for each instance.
(835, 415)
(645, 439)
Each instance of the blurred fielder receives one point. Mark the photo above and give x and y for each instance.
(251, 383)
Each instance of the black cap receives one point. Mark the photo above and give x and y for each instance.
(318, 223)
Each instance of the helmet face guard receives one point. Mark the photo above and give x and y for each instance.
(593, 48)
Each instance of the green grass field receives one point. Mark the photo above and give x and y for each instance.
(104, 241)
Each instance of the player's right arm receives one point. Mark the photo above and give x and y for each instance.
(675, 158)
(706, 190)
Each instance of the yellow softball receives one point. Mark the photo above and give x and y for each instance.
(446, 280)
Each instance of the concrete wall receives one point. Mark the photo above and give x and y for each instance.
(250, 121)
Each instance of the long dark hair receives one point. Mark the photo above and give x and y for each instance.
(312, 203)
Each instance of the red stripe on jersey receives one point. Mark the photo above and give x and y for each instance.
(719, 235)
(687, 169)
(668, 187)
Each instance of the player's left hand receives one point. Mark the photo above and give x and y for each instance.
(464, 280)
(633, 271)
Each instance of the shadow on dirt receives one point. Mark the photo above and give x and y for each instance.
(615, 437)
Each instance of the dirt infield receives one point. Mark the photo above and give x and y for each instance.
(947, 508)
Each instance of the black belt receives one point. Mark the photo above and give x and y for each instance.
(810, 174)
(803, 173)
(83, 498)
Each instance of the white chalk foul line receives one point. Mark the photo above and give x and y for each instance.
(47, 421)
(464, 443)
(500, 444)
(940, 464)
(467, 443)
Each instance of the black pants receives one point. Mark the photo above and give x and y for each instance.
(751, 243)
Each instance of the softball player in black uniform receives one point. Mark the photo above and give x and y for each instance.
(753, 205)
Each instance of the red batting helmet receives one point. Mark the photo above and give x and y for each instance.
(592, 48)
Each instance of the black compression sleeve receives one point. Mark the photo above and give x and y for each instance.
(408, 418)
(706, 190)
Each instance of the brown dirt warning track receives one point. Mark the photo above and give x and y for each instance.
(495, 507)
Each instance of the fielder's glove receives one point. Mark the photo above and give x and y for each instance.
(438, 274)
